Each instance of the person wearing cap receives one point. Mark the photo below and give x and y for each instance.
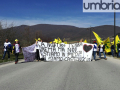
(16, 50)
(94, 50)
(37, 49)
(7, 49)
(102, 50)
(112, 49)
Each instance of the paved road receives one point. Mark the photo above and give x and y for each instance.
(98, 75)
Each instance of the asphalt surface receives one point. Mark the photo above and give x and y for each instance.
(69, 75)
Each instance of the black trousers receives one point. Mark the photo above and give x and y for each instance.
(37, 54)
(16, 57)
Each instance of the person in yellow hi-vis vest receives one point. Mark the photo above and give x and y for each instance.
(16, 50)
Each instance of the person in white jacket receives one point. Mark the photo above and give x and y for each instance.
(7, 46)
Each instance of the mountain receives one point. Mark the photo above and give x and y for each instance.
(54, 31)
(66, 31)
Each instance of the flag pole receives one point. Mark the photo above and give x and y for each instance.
(114, 28)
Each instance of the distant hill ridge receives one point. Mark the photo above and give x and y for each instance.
(72, 32)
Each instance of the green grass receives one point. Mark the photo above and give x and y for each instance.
(12, 57)
(71, 42)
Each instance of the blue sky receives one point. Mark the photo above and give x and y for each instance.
(60, 12)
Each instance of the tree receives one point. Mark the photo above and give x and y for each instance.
(38, 34)
(27, 36)
(6, 33)
(1, 35)
(10, 33)
(1, 26)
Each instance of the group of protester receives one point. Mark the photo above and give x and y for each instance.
(97, 50)
(11, 48)
(15, 49)
(101, 49)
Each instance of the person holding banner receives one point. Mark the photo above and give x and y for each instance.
(37, 49)
(16, 50)
(94, 50)
(102, 50)
(7, 49)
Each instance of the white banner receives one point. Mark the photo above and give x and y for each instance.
(66, 52)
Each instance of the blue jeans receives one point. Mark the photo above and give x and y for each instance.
(103, 54)
(112, 52)
(94, 54)
(118, 54)
(5, 54)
